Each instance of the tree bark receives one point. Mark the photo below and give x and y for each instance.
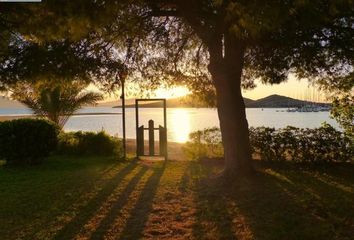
(226, 64)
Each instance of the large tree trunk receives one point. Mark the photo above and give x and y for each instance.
(226, 66)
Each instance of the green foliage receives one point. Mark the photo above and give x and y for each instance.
(27, 141)
(201, 44)
(323, 144)
(55, 101)
(84, 60)
(343, 111)
(89, 144)
(309, 38)
(205, 143)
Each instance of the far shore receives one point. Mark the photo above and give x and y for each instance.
(13, 117)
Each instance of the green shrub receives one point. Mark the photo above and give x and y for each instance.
(68, 144)
(260, 136)
(323, 144)
(89, 143)
(27, 141)
(205, 143)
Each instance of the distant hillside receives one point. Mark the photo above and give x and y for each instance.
(181, 102)
(272, 101)
(248, 101)
(277, 101)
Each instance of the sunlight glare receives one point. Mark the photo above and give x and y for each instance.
(172, 92)
(180, 124)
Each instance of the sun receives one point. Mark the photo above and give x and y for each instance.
(171, 92)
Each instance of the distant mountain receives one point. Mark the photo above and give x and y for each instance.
(181, 102)
(248, 101)
(171, 103)
(272, 101)
(277, 101)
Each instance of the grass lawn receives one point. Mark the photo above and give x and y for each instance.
(96, 198)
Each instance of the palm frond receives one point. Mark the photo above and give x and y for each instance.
(57, 103)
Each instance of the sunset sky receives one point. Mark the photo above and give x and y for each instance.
(294, 88)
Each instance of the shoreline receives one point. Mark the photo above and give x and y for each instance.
(20, 116)
(175, 151)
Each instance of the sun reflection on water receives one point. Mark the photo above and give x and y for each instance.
(179, 125)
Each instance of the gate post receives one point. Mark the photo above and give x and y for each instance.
(151, 138)
(163, 141)
(137, 128)
(140, 141)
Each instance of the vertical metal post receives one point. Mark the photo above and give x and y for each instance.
(137, 126)
(123, 120)
(151, 138)
(163, 140)
(140, 141)
(165, 125)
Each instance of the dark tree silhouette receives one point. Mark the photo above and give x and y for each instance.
(214, 46)
(55, 101)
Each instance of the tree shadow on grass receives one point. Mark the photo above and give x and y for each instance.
(185, 182)
(139, 215)
(71, 229)
(325, 192)
(213, 219)
(285, 203)
(114, 213)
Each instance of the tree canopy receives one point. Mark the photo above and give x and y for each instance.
(59, 60)
(170, 39)
(213, 46)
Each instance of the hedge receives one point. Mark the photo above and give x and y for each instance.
(89, 144)
(27, 141)
(323, 144)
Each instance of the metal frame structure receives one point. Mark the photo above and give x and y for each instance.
(162, 131)
(122, 97)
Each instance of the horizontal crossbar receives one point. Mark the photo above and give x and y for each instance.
(151, 155)
(153, 128)
(150, 100)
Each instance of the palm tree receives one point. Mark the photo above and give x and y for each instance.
(56, 102)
